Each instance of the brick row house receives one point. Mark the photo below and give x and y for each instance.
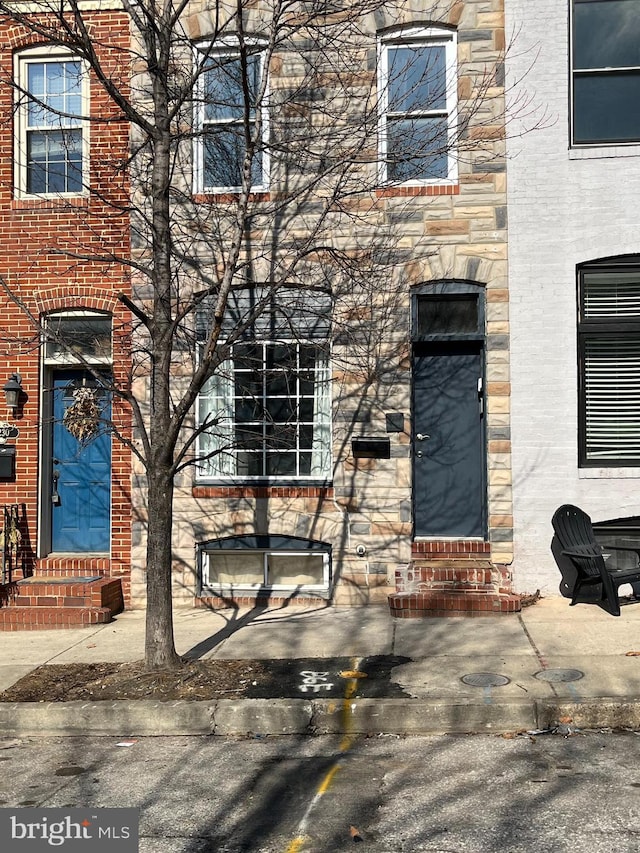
(354, 445)
(398, 479)
(63, 331)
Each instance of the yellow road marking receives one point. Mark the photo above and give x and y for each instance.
(328, 779)
(352, 673)
(296, 845)
(346, 743)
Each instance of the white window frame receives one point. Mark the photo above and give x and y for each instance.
(264, 585)
(22, 60)
(228, 47)
(419, 37)
(229, 423)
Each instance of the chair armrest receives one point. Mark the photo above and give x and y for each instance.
(629, 548)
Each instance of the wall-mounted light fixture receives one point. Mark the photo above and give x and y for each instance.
(12, 390)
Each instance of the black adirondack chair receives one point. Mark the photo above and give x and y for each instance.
(576, 540)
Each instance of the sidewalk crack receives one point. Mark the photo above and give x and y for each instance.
(541, 659)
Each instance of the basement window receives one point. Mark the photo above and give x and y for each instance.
(252, 565)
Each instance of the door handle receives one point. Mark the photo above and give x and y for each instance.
(422, 436)
(55, 497)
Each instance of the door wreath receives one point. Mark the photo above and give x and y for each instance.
(82, 418)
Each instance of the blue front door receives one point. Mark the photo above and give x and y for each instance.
(81, 475)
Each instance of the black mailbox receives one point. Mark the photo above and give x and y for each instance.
(7, 461)
(371, 448)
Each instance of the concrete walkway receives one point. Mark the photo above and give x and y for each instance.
(526, 671)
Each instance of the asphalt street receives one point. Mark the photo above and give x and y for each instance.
(437, 794)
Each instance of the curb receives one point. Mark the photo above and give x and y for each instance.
(309, 717)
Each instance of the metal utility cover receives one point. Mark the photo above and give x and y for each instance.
(485, 679)
(559, 675)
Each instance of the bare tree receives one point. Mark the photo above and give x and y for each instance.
(256, 150)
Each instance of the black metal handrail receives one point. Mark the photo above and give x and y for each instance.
(11, 540)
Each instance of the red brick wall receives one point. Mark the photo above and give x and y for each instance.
(43, 278)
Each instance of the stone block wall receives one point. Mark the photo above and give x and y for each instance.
(426, 233)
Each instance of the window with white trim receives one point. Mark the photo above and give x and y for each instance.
(265, 413)
(609, 362)
(418, 93)
(51, 134)
(227, 119)
(605, 72)
(255, 564)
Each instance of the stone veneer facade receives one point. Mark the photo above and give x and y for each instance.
(453, 231)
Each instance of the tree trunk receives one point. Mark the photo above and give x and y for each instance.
(160, 652)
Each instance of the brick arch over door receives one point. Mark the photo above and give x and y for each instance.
(80, 298)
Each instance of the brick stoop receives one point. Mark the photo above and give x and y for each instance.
(42, 602)
(414, 605)
(450, 585)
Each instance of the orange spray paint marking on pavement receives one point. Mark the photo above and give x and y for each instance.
(297, 845)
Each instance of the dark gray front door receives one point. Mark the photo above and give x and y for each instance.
(449, 468)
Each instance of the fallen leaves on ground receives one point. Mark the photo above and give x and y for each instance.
(210, 679)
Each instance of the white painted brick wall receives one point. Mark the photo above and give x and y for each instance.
(562, 211)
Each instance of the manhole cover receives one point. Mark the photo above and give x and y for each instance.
(556, 675)
(485, 679)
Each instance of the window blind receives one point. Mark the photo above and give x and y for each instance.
(612, 397)
(611, 295)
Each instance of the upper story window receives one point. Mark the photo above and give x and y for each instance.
(609, 362)
(51, 135)
(227, 119)
(606, 72)
(417, 84)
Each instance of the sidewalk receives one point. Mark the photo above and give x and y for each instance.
(581, 652)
